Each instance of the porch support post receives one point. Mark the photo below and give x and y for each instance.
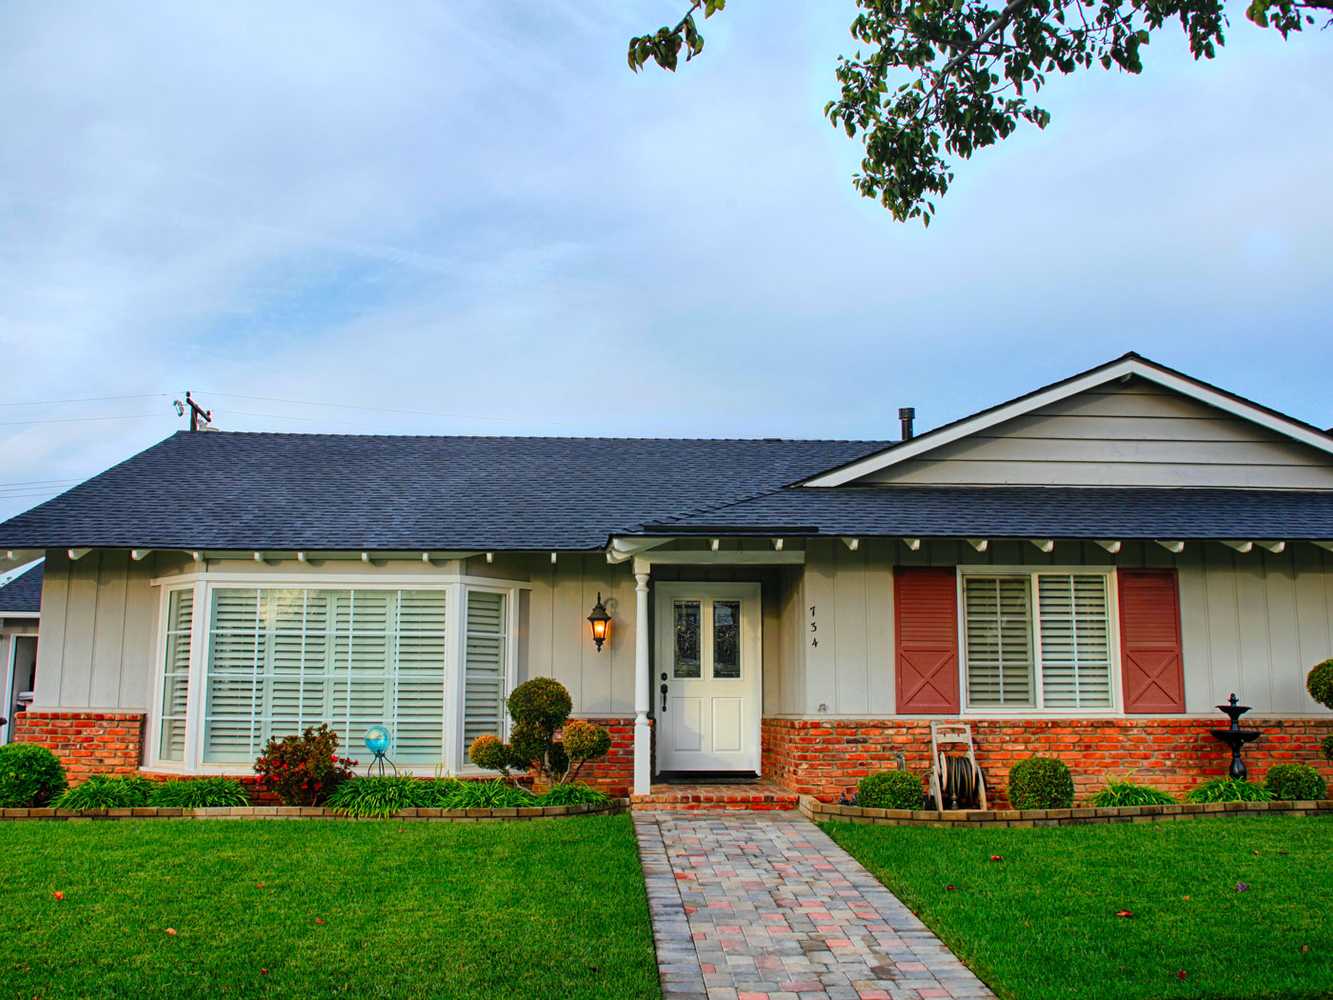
(643, 688)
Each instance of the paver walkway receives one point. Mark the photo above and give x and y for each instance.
(748, 907)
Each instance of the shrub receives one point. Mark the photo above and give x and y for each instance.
(584, 740)
(540, 707)
(304, 770)
(1126, 793)
(573, 794)
(1327, 746)
(490, 752)
(543, 701)
(107, 791)
(1320, 683)
(1041, 783)
(1228, 790)
(890, 790)
(1297, 782)
(198, 793)
(381, 796)
(486, 795)
(30, 776)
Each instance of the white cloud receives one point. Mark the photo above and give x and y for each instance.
(476, 210)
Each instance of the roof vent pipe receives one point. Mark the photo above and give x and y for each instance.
(906, 415)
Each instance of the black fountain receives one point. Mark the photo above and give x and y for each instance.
(1235, 737)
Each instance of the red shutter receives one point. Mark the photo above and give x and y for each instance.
(925, 628)
(1150, 655)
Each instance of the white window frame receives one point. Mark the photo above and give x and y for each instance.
(454, 585)
(1115, 709)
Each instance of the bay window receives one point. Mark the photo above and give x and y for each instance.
(1038, 639)
(245, 662)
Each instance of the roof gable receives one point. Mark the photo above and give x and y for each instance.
(22, 596)
(1271, 438)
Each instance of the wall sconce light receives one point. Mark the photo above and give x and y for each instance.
(600, 622)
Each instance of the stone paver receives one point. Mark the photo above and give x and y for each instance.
(766, 907)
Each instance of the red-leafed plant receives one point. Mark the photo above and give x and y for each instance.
(304, 770)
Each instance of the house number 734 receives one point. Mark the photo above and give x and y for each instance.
(814, 627)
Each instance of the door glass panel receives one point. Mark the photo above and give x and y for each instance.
(726, 639)
(687, 638)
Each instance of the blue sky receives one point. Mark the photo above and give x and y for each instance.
(474, 210)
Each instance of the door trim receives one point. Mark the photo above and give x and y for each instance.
(752, 648)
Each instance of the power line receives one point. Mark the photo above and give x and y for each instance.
(90, 399)
(78, 420)
(43, 482)
(351, 406)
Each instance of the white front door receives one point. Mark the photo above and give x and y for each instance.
(708, 676)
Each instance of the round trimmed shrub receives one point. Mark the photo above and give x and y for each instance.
(1041, 783)
(1320, 683)
(889, 790)
(489, 752)
(30, 776)
(542, 702)
(1295, 782)
(585, 740)
(1326, 745)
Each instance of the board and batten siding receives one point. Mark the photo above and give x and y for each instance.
(1131, 434)
(100, 622)
(98, 632)
(1252, 623)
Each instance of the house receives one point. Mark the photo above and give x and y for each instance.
(20, 609)
(1085, 571)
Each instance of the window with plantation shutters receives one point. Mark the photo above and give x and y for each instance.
(1075, 641)
(280, 660)
(998, 641)
(1038, 640)
(176, 676)
(485, 656)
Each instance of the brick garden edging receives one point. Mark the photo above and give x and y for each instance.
(314, 812)
(813, 809)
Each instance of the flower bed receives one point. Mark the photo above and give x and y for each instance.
(313, 812)
(819, 811)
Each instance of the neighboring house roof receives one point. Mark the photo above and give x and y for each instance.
(346, 492)
(1128, 365)
(1022, 512)
(22, 596)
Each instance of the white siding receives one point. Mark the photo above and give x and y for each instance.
(1135, 434)
(1252, 623)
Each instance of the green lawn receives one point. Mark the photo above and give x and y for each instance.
(1041, 923)
(549, 908)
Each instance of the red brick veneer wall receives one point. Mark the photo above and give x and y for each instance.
(86, 742)
(614, 773)
(825, 758)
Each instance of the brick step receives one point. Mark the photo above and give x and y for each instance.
(760, 797)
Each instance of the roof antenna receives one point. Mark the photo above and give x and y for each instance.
(907, 414)
(199, 417)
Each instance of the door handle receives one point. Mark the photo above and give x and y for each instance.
(663, 689)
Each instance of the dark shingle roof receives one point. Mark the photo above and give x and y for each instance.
(1026, 512)
(318, 491)
(23, 594)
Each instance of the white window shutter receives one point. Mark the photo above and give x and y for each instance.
(1075, 641)
(998, 633)
(485, 656)
(284, 659)
(176, 676)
